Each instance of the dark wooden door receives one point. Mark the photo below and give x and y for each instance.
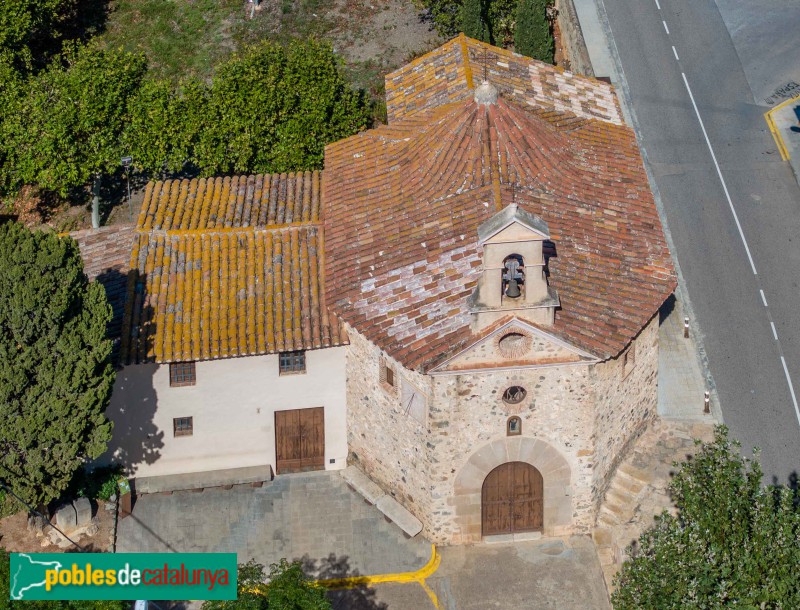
(512, 500)
(300, 440)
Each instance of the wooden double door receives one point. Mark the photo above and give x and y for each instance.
(512, 500)
(300, 440)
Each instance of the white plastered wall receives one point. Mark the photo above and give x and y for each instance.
(233, 408)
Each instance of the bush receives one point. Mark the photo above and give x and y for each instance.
(532, 36)
(733, 543)
(97, 484)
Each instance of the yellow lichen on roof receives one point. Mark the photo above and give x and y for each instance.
(226, 267)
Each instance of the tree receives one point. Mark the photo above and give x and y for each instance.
(733, 543)
(532, 36)
(273, 109)
(5, 604)
(288, 589)
(66, 128)
(474, 20)
(55, 363)
(26, 26)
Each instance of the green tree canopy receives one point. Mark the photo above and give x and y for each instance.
(67, 126)
(55, 363)
(273, 109)
(474, 20)
(26, 25)
(532, 36)
(733, 544)
(288, 589)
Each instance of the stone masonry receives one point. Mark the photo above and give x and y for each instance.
(578, 419)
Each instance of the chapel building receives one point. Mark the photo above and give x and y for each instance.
(463, 304)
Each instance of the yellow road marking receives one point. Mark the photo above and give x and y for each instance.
(351, 582)
(776, 134)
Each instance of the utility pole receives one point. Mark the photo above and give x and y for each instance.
(126, 163)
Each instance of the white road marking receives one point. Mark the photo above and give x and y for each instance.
(744, 242)
(763, 298)
(675, 53)
(665, 27)
(791, 389)
(719, 173)
(658, 6)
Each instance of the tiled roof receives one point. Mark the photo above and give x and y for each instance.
(228, 267)
(238, 201)
(451, 72)
(403, 204)
(106, 254)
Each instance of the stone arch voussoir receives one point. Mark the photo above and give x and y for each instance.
(538, 453)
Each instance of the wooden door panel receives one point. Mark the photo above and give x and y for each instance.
(300, 440)
(512, 500)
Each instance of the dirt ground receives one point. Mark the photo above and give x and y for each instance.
(16, 538)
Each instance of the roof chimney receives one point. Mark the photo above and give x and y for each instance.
(486, 93)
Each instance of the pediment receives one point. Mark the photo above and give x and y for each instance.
(514, 344)
(513, 224)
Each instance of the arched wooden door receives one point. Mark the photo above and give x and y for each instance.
(512, 500)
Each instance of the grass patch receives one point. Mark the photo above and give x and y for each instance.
(188, 38)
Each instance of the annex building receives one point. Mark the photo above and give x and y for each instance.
(462, 303)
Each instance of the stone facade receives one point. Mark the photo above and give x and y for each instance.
(578, 418)
(627, 400)
(384, 440)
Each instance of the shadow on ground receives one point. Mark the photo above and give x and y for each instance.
(362, 598)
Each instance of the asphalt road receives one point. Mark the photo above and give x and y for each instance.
(730, 246)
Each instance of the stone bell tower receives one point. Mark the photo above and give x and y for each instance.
(513, 281)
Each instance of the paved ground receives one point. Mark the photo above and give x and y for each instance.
(681, 381)
(548, 573)
(313, 517)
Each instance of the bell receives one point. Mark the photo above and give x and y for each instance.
(513, 289)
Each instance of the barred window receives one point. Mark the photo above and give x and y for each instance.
(182, 426)
(292, 362)
(386, 374)
(182, 374)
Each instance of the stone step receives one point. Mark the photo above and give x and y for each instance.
(626, 482)
(642, 476)
(362, 484)
(606, 519)
(620, 514)
(398, 515)
(602, 536)
(618, 496)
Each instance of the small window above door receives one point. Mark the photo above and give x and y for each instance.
(291, 363)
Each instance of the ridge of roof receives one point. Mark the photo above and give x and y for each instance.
(445, 75)
(506, 217)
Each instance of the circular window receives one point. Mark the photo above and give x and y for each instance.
(514, 395)
(514, 344)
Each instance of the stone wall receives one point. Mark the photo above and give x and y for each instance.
(626, 400)
(468, 413)
(572, 38)
(577, 422)
(384, 440)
